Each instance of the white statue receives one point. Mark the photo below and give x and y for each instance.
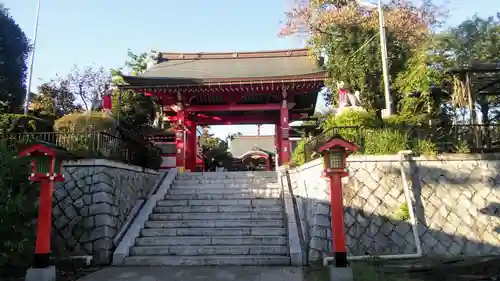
(348, 100)
(152, 58)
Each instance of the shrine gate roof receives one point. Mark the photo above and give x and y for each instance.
(209, 68)
(239, 78)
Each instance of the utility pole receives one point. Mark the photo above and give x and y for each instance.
(385, 70)
(32, 60)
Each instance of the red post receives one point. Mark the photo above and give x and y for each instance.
(191, 149)
(284, 134)
(338, 232)
(42, 250)
(278, 142)
(179, 142)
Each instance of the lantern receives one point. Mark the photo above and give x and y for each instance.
(335, 152)
(46, 160)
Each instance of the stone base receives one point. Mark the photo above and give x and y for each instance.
(340, 273)
(41, 274)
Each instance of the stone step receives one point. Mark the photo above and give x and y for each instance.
(211, 240)
(248, 191)
(208, 250)
(216, 209)
(218, 216)
(227, 185)
(220, 196)
(214, 223)
(227, 181)
(226, 175)
(230, 231)
(221, 202)
(206, 260)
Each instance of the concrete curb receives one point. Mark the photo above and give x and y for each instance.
(133, 232)
(295, 248)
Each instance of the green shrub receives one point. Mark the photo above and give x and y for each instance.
(384, 141)
(18, 200)
(424, 147)
(298, 155)
(404, 120)
(18, 123)
(403, 212)
(361, 118)
(85, 122)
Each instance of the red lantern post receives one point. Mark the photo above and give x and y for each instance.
(47, 166)
(335, 153)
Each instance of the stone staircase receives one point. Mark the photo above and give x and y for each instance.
(230, 218)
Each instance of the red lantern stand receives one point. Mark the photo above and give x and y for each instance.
(335, 153)
(46, 161)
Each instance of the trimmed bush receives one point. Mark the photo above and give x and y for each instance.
(18, 123)
(85, 122)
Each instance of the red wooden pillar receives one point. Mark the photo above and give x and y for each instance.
(284, 134)
(191, 142)
(338, 243)
(277, 140)
(42, 246)
(179, 141)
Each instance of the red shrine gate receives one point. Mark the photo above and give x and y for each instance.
(194, 89)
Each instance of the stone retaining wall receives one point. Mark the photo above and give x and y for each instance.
(93, 203)
(456, 200)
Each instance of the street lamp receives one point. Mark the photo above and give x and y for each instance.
(383, 51)
(30, 72)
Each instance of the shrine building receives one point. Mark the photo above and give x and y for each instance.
(195, 89)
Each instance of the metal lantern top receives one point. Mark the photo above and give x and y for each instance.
(46, 161)
(335, 152)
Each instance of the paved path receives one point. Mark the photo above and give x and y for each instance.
(227, 273)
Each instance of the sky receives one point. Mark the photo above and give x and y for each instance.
(96, 32)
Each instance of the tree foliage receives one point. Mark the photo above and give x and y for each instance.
(14, 49)
(136, 109)
(215, 151)
(89, 84)
(54, 100)
(347, 35)
(18, 209)
(472, 41)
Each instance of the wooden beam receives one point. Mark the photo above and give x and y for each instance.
(237, 107)
(202, 119)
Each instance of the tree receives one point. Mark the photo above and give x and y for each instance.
(347, 35)
(54, 100)
(89, 84)
(215, 151)
(476, 40)
(234, 136)
(14, 49)
(137, 109)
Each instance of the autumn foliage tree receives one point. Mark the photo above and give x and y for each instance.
(347, 34)
(54, 100)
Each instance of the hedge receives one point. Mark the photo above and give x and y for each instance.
(18, 123)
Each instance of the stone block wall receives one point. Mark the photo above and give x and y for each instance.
(93, 203)
(456, 201)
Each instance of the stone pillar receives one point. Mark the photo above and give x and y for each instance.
(284, 156)
(191, 149)
(179, 141)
